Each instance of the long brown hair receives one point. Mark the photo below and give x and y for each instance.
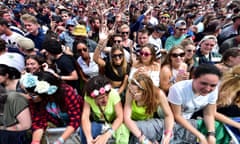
(124, 61)
(152, 49)
(229, 90)
(150, 96)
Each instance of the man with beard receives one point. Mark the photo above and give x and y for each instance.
(66, 68)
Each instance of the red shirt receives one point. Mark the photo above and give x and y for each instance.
(73, 105)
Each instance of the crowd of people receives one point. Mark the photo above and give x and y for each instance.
(123, 72)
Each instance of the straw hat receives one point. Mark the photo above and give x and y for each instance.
(79, 30)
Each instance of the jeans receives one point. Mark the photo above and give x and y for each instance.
(96, 129)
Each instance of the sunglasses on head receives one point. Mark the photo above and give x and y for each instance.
(124, 33)
(117, 41)
(117, 56)
(146, 54)
(82, 50)
(175, 55)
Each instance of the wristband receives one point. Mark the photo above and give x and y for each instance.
(111, 131)
(167, 132)
(211, 133)
(145, 141)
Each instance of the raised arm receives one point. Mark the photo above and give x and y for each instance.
(103, 37)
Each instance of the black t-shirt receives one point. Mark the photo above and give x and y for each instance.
(65, 65)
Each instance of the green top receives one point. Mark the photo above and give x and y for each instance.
(109, 111)
(139, 112)
(14, 105)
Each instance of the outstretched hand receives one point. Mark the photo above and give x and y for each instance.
(103, 33)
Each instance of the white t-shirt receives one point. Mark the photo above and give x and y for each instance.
(90, 70)
(12, 40)
(181, 93)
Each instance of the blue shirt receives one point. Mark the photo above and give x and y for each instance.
(38, 39)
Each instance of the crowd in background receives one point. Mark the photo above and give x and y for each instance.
(145, 71)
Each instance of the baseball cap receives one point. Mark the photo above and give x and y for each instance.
(26, 43)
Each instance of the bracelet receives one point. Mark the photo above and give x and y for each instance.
(111, 131)
(35, 142)
(211, 133)
(145, 141)
(167, 132)
(61, 140)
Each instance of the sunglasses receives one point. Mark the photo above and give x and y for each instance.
(80, 11)
(175, 55)
(117, 41)
(164, 17)
(115, 56)
(181, 29)
(124, 33)
(82, 50)
(145, 54)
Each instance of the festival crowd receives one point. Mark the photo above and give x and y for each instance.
(120, 71)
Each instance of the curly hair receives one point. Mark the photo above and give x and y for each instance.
(229, 90)
(95, 83)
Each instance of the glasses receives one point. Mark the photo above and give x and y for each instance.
(115, 56)
(82, 50)
(175, 55)
(80, 11)
(164, 17)
(181, 29)
(145, 54)
(117, 41)
(190, 50)
(124, 33)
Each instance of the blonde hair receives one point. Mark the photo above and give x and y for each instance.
(229, 90)
(124, 26)
(150, 96)
(29, 18)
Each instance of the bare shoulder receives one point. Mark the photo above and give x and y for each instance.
(166, 69)
(161, 94)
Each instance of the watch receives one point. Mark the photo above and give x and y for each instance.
(211, 133)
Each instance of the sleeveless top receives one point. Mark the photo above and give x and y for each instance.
(139, 112)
